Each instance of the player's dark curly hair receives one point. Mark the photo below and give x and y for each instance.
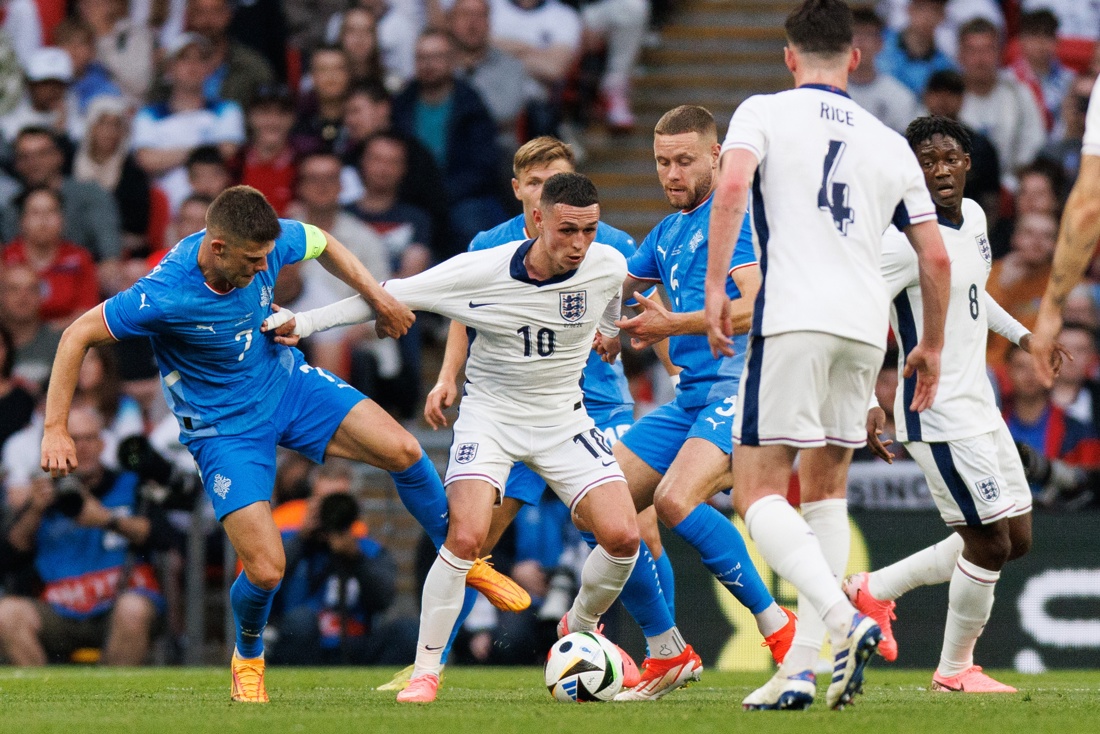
(571, 189)
(241, 215)
(923, 128)
(820, 27)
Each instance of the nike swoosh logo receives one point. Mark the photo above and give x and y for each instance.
(479, 305)
(429, 648)
(609, 463)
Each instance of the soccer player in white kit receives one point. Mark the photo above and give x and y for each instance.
(961, 443)
(534, 309)
(827, 178)
(1076, 242)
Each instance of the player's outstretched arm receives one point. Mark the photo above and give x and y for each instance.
(90, 330)
(443, 394)
(935, 285)
(393, 318)
(286, 324)
(1001, 322)
(735, 171)
(1076, 242)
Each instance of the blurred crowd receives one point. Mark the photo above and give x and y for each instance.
(392, 125)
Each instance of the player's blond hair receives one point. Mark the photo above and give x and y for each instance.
(542, 151)
(687, 118)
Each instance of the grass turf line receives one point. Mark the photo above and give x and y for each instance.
(79, 700)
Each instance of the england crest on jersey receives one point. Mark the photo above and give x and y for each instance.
(983, 247)
(573, 305)
(466, 452)
(988, 489)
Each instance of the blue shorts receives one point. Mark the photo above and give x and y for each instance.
(657, 437)
(239, 470)
(527, 486)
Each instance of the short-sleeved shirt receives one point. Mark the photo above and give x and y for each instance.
(830, 179)
(69, 283)
(605, 385)
(675, 254)
(550, 23)
(220, 374)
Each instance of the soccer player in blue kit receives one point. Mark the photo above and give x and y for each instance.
(237, 394)
(648, 594)
(677, 457)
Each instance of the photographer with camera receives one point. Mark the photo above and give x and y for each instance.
(78, 534)
(337, 586)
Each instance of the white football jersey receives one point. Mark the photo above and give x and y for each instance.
(964, 404)
(530, 339)
(831, 179)
(1091, 143)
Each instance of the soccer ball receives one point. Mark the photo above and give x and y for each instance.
(584, 666)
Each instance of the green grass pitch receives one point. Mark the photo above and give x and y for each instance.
(481, 701)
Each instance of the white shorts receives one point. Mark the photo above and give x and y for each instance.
(975, 481)
(572, 459)
(806, 389)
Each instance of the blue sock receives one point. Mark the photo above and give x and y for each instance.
(467, 607)
(668, 582)
(251, 607)
(724, 553)
(642, 595)
(422, 493)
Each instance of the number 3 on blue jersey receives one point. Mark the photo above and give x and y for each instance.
(832, 197)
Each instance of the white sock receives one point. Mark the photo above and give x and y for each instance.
(771, 620)
(933, 565)
(969, 601)
(667, 644)
(602, 578)
(792, 550)
(829, 521)
(444, 590)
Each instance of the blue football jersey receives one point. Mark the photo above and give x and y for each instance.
(219, 373)
(604, 384)
(675, 254)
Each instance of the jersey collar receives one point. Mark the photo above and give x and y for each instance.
(945, 222)
(519, 271)
(698, 206)
(826, 88)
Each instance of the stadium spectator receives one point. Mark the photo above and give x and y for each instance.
(504, 85)
(1064, 149)
(190, 218)
(321, 110)
(11, 76)
(267, 162)
(1017, 280)
(104, 159)
(307, 21)
(944, 96)
(22, 23)
(91, 215)
(367, 112)
(1038, 66)
(396, 30)
(1078, 28)
(208, 173)
(1076, 390)
(237, 70)
(80, 537)
(995, 103)
(49, 101)
(67, 271)
(338, 584)
(99, 386)
(911, 55)
(359, 40)
(16, 403)
(448, 116)
(166, 133)
(957, 12)
(1081, 306)
(318, 203)
(1037, 422)
(880, 94)
(124, 46)
(1038, 191)
(34, 340)
(620, 25)
(91, 79)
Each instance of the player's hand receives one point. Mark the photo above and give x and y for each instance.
(1041, 344)
(652, 325)
(392, 318)
(719, 323)
(58, 452)
(284, 323)
(441, 397)
(925, 363)
(1058, 354)
(608, 347)
(876, 424)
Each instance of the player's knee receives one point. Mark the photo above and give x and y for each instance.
(464, 542)
(266, 573)
(17, 615)
(621, 541)
(672, 507)
(404, 452)
(134, 612)
(994, 550)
